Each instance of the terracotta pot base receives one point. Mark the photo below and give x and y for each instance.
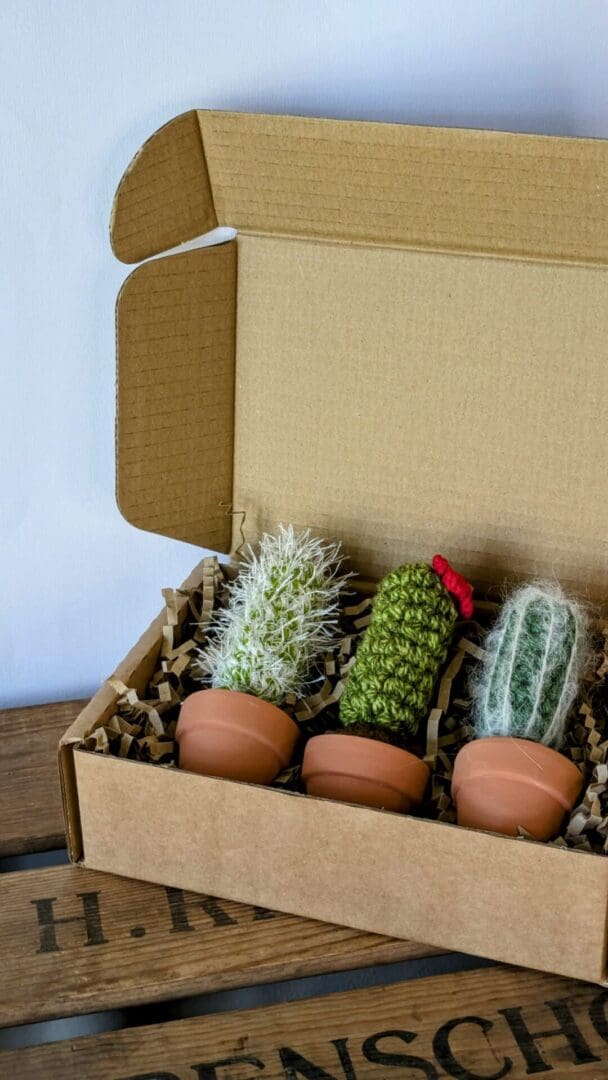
(234, 735)
(353, 769)
(502, 784)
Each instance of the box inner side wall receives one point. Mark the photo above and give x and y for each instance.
(409, 402)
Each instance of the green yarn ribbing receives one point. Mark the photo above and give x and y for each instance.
(398, 660)
(532, 667)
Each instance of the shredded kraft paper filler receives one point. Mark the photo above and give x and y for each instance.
(143, 728)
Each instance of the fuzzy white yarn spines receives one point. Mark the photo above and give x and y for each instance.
(535, 657)
(282, 617)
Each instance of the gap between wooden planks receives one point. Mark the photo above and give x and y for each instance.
(481, 1025)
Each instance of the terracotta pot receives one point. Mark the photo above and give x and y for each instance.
(501, 783)
(234, 735)
(357, 770)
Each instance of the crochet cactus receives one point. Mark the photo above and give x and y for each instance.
(282, 616)
(534, 659)
(399, 658)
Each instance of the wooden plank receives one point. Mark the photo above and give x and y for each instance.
(480, 1025)
(74, 941)
(31, 817)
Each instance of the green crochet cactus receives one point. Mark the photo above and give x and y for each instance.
(399, 658)
(532, 667)
(282, 616)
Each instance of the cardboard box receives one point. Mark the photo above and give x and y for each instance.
(406, 347)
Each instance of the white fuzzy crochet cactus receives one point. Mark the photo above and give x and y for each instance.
(534, 659)
(282, 616)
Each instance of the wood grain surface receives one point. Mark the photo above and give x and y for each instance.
(75, 941)
(482, 1025)
(31, 817)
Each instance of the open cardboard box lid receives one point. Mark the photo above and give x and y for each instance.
(406, 347)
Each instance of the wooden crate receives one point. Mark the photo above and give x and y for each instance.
(73, 941)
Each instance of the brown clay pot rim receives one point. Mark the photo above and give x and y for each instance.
(349, 774)
(519, 778)
(354, 776)
(254, 733)
(386, 746)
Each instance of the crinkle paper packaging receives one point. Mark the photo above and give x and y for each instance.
(143, 728)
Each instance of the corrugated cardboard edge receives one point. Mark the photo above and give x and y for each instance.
(135, 670)
(603, 980)
(164, 197)
(175, 350)
(441, 189)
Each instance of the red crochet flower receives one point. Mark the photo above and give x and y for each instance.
(456, 584)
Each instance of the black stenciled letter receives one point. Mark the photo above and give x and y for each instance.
(260, 913)
(151, 1076)
(297, 1066)
(346, 1062)
(178, 907)
(393, 1060)
(526, 1039)
(208, 1070)
(445, 1056)
(47, 921)
(597, 1015)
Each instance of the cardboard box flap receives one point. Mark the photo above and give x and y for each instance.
(164, 197)
(175, 323)
(393, 184)
(395, 384)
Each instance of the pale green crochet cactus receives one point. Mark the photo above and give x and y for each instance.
(282, 616)
(534, 658)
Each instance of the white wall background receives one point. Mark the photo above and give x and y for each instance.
(82, 84)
